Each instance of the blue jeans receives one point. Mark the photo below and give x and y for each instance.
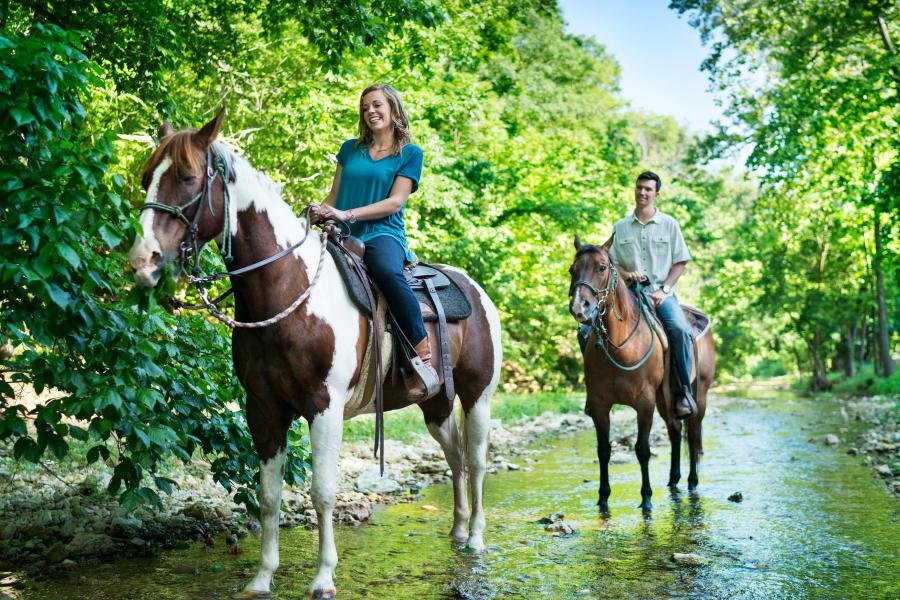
(680, 335)
(385, 259)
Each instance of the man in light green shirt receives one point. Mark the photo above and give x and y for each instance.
(648, 247)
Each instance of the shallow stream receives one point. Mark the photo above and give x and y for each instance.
(813, 523)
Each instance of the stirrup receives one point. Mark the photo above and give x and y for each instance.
(428, 377)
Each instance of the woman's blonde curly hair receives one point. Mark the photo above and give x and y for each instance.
(399, 117)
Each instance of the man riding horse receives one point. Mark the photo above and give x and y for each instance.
(649, 248)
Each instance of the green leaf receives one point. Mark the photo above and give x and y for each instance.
(59, 297)
(21, 116)
(69, 255)
(109, 236)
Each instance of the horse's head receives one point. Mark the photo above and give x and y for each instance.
(184, 204)
(591, 281)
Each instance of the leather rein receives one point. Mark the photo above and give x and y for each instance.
(190, 247)
(598, 324)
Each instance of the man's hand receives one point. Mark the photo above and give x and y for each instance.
(659, 297)
(634, 276)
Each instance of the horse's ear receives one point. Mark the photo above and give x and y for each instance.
(165, 130)
(577, 242)
(608, 243)
(208, 132)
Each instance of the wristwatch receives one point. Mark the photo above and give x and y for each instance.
(666, 289)
(351, 216)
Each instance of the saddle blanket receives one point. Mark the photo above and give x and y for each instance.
(456, 305)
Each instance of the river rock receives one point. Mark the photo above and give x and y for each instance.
(832, 440)
(86, 544)
(560, 528)
(126, 526)
(355, 511)
(620, 458)
(372, 481)
(885, 471)
(689, 559)
(736, 497)
(56, 553)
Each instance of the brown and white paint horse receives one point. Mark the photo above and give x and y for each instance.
(310, 363)
(598, 295)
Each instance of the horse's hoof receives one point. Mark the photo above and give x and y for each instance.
(249, 593)
(475, 545)
(321, 594)
(646, 506)
(459, 536)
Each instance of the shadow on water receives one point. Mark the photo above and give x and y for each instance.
(813, 523)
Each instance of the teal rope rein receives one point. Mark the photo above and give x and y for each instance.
(601, 341)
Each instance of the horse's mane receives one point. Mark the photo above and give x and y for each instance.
(184, 155)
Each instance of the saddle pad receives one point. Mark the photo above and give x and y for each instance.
(698, 319)
(456, 305)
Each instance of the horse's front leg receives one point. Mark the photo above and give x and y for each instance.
(326, 433)
(600, 414)
(642, 449)
(268, 425)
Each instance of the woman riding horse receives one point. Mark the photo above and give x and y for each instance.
(375, 175)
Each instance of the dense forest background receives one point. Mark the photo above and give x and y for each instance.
(527, 142)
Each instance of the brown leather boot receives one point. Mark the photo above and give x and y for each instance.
(425, 383)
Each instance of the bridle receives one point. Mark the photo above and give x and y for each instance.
(598, 324)
(190, 246)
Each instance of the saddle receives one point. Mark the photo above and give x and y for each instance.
(440, 300)
(696, 318)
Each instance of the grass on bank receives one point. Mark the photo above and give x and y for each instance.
(864, 383)
(406, 425)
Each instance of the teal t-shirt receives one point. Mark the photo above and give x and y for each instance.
(365, 181)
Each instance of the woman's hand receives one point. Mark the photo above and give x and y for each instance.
(330, 212)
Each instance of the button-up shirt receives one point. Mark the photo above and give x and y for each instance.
(651, 247)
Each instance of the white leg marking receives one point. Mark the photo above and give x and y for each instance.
(447, 435)
(326, 434)
(271, 482)
(477, 427)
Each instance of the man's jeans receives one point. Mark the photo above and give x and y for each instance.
(679, 332)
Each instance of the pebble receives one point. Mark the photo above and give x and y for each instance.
(689, 559)
(560, 528)
(832, 440)
(736, 497)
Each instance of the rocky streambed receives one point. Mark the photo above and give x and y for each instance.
(51, 520)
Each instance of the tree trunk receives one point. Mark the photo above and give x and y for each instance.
(884, 340)
(863, 339)
(850, 365)
(819, 382)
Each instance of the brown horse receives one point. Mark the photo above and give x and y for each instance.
(308, 360)
(628, 367)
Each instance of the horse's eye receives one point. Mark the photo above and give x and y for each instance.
(601, 267)
(188, 179)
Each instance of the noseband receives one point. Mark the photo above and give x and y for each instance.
(612, 284)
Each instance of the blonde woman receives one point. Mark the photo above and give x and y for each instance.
(375, 175)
